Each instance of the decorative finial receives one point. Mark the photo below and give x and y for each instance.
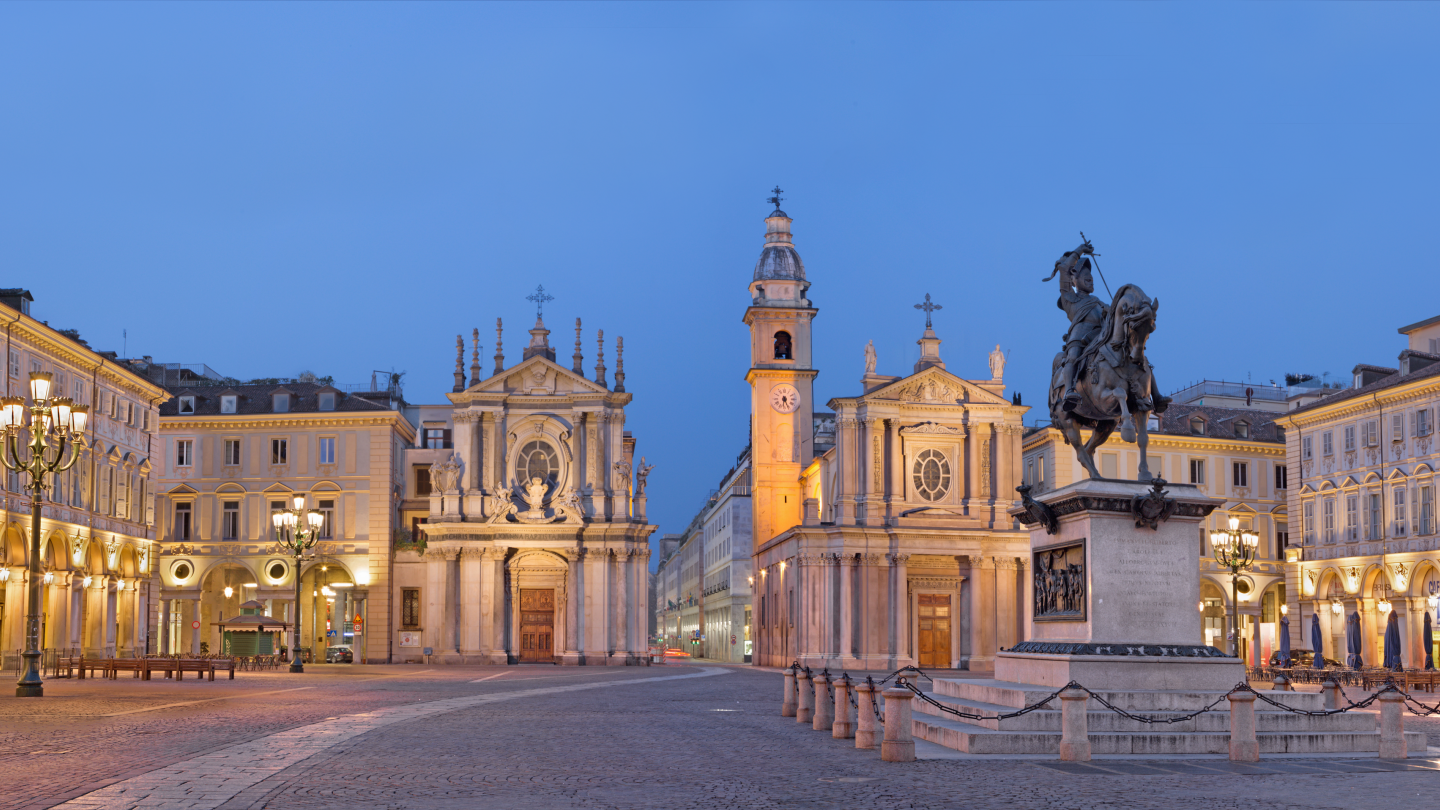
(578, 358)
(775, 200)
(620, 364)
(499, 349)
(539, 297)
(459, 363)
(929, 308)
(475, 356)
(600, 359)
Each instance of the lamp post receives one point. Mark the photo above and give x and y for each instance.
(1235, 550)
(54, 425)
(297, 536)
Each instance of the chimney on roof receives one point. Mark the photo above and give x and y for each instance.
(17, 298)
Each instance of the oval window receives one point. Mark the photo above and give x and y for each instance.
(277, 570)
(932, 475)
(537, 460)
(181, 571)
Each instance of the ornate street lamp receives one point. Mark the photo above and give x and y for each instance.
(295, 537)
(1235, 550)
(54, 426)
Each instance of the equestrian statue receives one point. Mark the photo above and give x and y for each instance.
(1101, 379)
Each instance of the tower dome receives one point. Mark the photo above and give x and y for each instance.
(779, 260)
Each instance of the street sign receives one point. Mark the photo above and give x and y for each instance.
(195, 625)
(732, 639)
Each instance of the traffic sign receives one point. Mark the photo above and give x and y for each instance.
(732, 639)
(195, 625)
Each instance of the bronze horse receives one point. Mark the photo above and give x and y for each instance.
(1117, 383)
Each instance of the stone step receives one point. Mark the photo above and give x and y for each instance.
(976, 740)
(1018, 695)
(1101, 719)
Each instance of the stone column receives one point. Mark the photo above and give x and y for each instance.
(514, 614)
(470, 589)
(1414, 620)
(849, 455)
(500, 652)
(58, 610)
(640, 601)
(900, 639)
(576, 478)
(165, 642)
(895, 489)
(195, 634)
(437, 587)
(596, 598)
(485, 431)
(574, 592)
(846, 653)
(874, 469)
(1007, 626)
(982, 612)
(1027, 598)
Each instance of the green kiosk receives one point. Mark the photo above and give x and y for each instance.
(252, 632)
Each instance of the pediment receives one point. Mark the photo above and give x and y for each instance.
(938, 386)
(277, 488)
(181, 489)
(535, 373)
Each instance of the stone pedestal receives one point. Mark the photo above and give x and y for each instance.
(1114, 588)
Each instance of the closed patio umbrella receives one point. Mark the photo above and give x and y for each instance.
(1284, 641)
(1428, 638)
(1317, 641)
(1392, 643)
(1352, 642)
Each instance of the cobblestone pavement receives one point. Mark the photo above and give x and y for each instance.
(542, 737)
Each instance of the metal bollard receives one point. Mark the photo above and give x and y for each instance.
(899, 742)
(1330, 688)
(843, 727)
(824, 707)
(805, 710)
(1392, 726)
(1243, 745)
(1074, 726)
(787, 707)
(865, 716)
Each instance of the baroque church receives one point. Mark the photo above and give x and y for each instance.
(537, 547)
(880, 525)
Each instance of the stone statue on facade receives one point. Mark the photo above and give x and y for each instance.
(622, 475)
(997, 363)
(870, 357)
(641, 474)
(1101, 378)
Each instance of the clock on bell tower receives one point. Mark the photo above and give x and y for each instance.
(780, 377)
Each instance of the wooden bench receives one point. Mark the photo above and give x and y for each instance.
(88, 667)
(118, 665)
(224, 664)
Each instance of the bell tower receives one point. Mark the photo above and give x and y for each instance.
(781, 375)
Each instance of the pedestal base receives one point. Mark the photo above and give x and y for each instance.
(1120, 672)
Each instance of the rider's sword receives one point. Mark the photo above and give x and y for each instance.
(1097, 268)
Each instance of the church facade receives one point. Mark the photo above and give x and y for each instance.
(881, 533)
(530, 509)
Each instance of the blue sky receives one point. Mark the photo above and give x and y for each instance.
(270, 188)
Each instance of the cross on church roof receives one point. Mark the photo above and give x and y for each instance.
(539, 297)
(929, 308)
(775, 200)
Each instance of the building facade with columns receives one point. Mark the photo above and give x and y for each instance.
(1237, 454)
(228, 456)
(881, 531)
(98, 549)
(532, 514)
(1363, 461)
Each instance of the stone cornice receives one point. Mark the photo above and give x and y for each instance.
(38, 336)
(176, 424)
(1161, 442)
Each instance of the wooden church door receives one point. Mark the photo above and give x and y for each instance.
(537, 625)
(934, 630)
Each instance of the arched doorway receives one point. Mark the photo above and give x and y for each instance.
(222, 591)
(537, 584)
(1214, 615)
(328, 608)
